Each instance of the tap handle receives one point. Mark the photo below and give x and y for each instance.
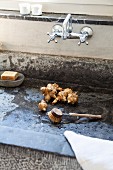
(52, 37)
(86, 42)
(85, 33)
(83, 38)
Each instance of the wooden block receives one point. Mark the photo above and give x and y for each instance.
(9, 75)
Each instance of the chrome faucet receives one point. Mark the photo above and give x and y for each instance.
(65, 32)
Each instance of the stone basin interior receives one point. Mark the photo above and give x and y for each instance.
(19, 109)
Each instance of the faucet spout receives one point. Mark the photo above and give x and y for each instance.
(67, 26)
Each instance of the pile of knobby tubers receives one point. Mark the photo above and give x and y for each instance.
(54, 93)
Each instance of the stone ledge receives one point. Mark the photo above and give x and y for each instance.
(35, 140)
(50, 17)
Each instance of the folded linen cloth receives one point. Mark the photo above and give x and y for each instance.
(91, 153)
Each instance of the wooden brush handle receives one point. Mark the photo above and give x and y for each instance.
(86, 115)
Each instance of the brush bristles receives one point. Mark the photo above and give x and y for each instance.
(53, 118)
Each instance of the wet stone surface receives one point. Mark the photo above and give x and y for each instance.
(18, 109)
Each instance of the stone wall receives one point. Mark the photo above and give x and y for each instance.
(31, 36)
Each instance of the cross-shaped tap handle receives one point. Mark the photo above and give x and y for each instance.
(83, 38)
(86, 42)
(52, 37)
(85, 33)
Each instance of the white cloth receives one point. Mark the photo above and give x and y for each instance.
(91, 153)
